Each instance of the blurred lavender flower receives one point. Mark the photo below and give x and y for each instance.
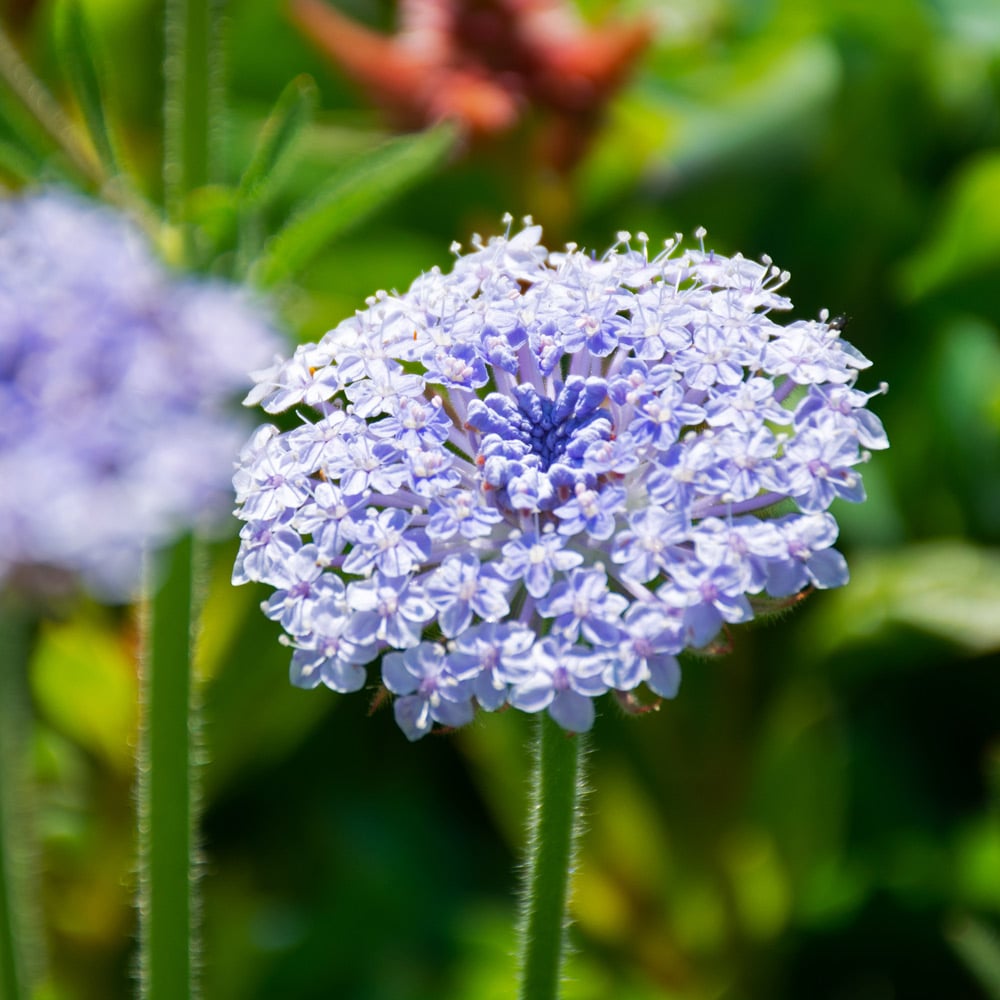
(114, 383)
(543, 475)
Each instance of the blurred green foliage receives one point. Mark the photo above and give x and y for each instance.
(818, 814)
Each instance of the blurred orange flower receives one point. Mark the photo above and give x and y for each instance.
(484, 63)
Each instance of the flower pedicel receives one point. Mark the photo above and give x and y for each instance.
(541, 476)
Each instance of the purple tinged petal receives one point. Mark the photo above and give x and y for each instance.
(456, 618)
(363, 627)
(538, 579)
(786, 577)
(396, 676)
(828, 569)
(413, 716)
(453, 713)
(664, 675)
(343, 676)
(702, 622)
(490, 691)
(533, 694)
(574, 712)
(734, 609)
(304, 671)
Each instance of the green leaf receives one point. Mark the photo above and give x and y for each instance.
(779, 96)
(292, 113)
(979, 947)
(85, 684)
(355, 192)
(83, 69)
(18, 162)
(766, 103)
(210, 218)
(32, 114)
(977, 864)
(801, 757)
(948, 589)
(966, 239)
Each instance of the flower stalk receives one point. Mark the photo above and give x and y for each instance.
(20, 939)
(167, 788)
(168, 766)
(193, 97)
(557, 788)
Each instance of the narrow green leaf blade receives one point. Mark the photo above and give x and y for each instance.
(979, 948)
(18, 162)
(292, 112)
(966, 239)
(32, 114)
(355, 192)
(83, 70)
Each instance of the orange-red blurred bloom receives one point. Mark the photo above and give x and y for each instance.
(483, 63)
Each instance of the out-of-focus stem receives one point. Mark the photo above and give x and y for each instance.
(21, 948)
(168, 789)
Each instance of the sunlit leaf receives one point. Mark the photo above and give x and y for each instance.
(672, 132)
(979, 947)
(764, 114)
(211, 217)
(85, 683)
(79, 57)
(17, 162)
(966, 239)
(978, 864)
(30, 111)
(949, 589)
(629, 859)
(356, 191)
(759, 883)
(277, 137)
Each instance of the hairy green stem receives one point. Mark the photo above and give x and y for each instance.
(192, 98)
(553, 827)
(20, 924)
(169, 947)
(168, 788)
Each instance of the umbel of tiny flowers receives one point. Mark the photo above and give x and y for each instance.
(540, 476)
(115, 382)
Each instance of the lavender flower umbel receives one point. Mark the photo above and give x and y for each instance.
(115, 378)
(541, 476)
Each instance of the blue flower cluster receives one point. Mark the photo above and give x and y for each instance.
(115, 380)
(539, 477)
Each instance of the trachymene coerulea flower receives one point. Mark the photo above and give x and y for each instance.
(540, 476)
(115, 382)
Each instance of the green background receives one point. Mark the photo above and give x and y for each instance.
(817, 815)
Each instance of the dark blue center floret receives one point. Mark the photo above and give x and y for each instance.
(552, 430)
